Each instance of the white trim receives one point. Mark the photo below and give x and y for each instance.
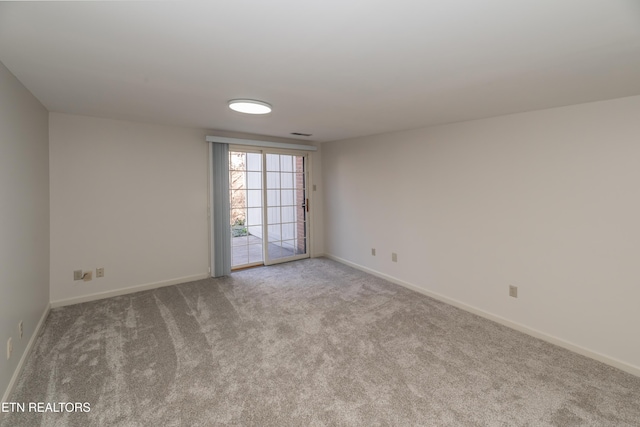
(256, 143)
(25, 355)
(631, 369)
(265, 225)
(311, 213)
(130, 290)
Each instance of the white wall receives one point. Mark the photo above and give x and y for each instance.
(316, 201)
(24, 218)
(131, 198)
(128, 197)
(547, 200)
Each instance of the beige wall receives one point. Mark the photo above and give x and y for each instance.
(128, 197)
(131, 198)
(547, 201)
(24, 218)
(316, 198)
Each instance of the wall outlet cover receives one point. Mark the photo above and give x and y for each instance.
(77, 275)
(20, 329)
(87, 276)
(9, 348)
(394, 257)
(99, 272)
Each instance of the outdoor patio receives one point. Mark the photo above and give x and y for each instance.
(248, 250)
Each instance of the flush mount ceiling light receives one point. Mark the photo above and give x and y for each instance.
(249, 106)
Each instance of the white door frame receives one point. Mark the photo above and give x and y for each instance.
(265, 218)
(308, 187)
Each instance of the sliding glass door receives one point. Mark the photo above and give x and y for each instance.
(269, 207)
(286, 207)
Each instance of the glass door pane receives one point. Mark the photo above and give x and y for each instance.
(286, 213)
(245, 192)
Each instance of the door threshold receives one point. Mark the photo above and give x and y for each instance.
(246, 267)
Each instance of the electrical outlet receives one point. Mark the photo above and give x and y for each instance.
(394, 257)
(99, 272)
(20, 329)
(77, 275)
(373, 251)
(513, 291)
(9, 348)
(314, 187)
(87, 276)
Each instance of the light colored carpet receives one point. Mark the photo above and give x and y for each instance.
(308, 343)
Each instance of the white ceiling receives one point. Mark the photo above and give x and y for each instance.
(334, 68)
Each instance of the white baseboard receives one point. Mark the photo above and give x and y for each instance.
(634, 370)
(25, 354)
(129, 290)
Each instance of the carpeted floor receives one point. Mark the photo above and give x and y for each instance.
(307, 343)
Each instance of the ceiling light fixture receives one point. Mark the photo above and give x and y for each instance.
(249, 106)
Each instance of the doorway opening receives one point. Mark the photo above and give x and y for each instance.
(269, 207)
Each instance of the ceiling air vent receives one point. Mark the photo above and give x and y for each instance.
(301, 134)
